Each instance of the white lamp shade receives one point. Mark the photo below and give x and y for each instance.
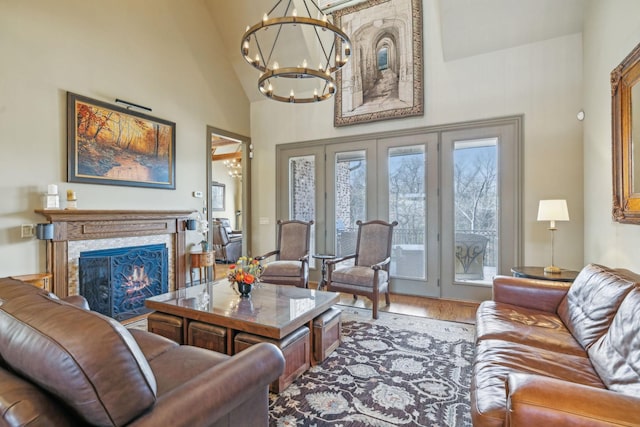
(553, 210)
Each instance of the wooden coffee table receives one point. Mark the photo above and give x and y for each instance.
(273, 312)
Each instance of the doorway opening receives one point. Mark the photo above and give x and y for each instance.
(228, 193)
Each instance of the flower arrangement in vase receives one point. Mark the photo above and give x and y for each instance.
(245, 273)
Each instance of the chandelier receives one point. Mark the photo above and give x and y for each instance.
(288, 45)
(234, 168)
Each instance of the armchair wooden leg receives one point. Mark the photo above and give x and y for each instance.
(387, 298)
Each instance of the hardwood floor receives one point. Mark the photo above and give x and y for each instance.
(455, 311)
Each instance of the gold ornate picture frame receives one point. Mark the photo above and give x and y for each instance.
(384, 76)
(625, 129)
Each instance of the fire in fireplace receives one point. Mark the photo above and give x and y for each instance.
(116, 282)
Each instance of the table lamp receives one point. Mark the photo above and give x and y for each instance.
(552, 211)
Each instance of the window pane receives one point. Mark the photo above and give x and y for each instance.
(350, 199)
(476, 209)
(302, 190)
(407, 206)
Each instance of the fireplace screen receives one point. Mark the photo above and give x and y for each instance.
(116, 282)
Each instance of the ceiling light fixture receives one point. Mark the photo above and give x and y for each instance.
(262, 48)
(234, 168)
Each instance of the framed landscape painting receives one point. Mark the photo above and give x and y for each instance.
(383, 78)
(108, 144)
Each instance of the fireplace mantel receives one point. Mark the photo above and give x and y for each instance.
(81, 224)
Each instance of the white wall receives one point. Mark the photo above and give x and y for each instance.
(233, 192)
(612, 30)
(163, 54)
(543, 81)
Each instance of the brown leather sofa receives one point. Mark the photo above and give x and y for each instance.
(556, 354)
(62, 365)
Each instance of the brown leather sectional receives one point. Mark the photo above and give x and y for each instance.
(557, 354)
(62, 365)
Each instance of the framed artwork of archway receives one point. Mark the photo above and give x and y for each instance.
(384, 76)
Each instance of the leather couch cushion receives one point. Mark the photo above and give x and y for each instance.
(496, 359)
(592, 301)
(616, 356)
(89, 361)
(152, 345)
(180, 364)
(536, 328)
(24, 404)
(11, 288)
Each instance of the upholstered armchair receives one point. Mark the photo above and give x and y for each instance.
(226, 223)
(228, 247)
(369, 274)
(291, 264)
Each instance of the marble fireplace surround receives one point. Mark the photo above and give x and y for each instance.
(88, 229)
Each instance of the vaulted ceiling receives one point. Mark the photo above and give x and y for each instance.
(468, 27)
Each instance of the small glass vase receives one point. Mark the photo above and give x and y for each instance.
(244, 289)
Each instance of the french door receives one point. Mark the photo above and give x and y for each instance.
(407, 184)
(453, 192)
(480, 200)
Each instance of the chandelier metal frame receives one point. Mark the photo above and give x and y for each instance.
(326, 68)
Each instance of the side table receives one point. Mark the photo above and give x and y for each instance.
(324, 258)
(203, 261)
(41, 280)
(538, 273)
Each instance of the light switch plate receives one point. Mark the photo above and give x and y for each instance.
(27, 230)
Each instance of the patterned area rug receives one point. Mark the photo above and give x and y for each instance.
(395, 371)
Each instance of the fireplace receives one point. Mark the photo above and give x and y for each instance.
(117, 281)
(77, 231)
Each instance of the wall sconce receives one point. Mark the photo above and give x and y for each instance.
(44, 231)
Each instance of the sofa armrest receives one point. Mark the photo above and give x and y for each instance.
(534, 400)
(217, 391)
(544, 295)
